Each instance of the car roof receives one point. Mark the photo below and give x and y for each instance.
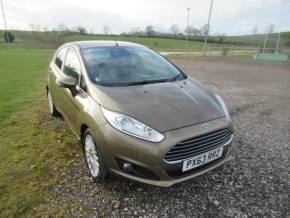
(101, 43)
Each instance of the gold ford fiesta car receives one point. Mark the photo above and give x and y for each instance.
(137, 114)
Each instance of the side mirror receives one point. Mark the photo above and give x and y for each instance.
(66, 81)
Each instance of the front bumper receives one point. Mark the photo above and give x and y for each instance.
(148, 156)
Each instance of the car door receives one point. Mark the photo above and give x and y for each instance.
(55, 70)
(72, 98)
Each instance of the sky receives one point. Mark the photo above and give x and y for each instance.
(230, 17)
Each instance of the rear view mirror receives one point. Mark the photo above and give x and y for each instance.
(66, 81)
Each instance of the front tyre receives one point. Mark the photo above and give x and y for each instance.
(94, 158)
(51, 107)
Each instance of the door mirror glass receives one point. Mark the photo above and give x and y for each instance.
(67, 81)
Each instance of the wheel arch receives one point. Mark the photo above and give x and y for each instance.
(82, 131)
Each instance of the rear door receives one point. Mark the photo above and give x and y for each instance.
(55, 70)
(70, 103)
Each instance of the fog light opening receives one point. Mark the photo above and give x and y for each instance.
(127, 167)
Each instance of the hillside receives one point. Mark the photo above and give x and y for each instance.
(33, 39)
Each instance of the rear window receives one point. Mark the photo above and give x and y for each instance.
(72, 65)
(60, 57)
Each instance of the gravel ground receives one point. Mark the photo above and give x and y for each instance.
(255, 183)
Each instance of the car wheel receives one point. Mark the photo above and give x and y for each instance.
(94, 158)
(51, 107)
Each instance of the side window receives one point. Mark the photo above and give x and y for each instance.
(60, 57)
(72, 66)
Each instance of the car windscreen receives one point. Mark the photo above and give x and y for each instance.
(128, 65)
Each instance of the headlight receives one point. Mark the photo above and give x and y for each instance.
(131, 126)
(223, 105)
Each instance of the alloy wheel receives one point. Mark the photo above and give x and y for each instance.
(92, 156)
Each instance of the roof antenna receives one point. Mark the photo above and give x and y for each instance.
(116, 43)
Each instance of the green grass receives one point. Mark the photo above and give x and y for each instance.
(159, 44)
(33, 146)
(52, 40)
(246, 42)
(257, 40)
(21, 71)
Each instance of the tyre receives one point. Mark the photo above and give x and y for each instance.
(93, 157)
(51, 107)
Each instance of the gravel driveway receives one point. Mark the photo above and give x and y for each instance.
(255, 183)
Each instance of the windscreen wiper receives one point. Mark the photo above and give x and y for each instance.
(143, 82)
(174, 78)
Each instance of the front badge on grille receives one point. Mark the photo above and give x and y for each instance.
(205, 125)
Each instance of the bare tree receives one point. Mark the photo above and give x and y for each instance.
(45, 29)
(61, 27)
(135, 31)
(196, 32)
(106, 29)
(204, 30)
(192, 31)
(81, 30)
(149, 30)
(189, 30)
(174, 29)
(31, 26)
(269, 29)
(35, 27)
(222, 37)
(255, 30)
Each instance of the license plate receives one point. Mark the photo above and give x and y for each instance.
(202, 159)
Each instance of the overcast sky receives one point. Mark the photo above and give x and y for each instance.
(233, 17)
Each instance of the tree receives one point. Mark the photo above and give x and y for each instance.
(45, 29)
(37, 27)
(8, 37)
(135, 31)
(204, 30)
(81, 30)
(191, 31)
(222, 36)
(149, 30)
(196, 32)
(106, 29)
(174, 29)
(269, 29)
(61, 27)
(31, 26)
(255, 30)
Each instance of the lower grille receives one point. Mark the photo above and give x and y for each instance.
(138, 171)
(176, 174)
(198, 145)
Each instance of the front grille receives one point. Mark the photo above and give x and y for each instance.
(198, 145)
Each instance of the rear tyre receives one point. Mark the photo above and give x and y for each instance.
(51, 107)
(94, 158)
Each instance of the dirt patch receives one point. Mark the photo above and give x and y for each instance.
(255, 183)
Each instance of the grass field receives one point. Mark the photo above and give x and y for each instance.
(32, 148)
(51, 40)
(21, 71)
